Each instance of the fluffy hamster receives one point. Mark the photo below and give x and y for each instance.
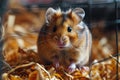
(64, 39)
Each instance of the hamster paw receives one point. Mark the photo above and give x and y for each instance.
(71, 68)
(84, 68)
(56, 64)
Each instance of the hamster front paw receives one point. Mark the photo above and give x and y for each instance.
(56, 63)
(72, 67)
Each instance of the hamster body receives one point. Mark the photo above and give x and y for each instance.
(64, 39)
(78, 55)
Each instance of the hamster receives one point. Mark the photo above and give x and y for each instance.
(64, 39)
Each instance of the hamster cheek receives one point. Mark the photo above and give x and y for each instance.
(68, 43)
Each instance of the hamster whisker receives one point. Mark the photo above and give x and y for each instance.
(44, 41)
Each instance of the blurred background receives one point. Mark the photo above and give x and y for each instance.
(24, 18)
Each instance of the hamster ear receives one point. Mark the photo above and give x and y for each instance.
(80, 12)
(49, 14)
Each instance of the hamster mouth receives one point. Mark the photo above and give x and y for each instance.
(62, 45)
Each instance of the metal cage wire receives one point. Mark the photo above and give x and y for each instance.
(63, 5)
(116, 30)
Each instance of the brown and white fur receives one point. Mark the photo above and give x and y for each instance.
(64, 39)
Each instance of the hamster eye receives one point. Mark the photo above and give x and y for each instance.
(54, 29)
(69, 29)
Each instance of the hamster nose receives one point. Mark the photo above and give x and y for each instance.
(64, 38)
(61, 39)
(55, 38)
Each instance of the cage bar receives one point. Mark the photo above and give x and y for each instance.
(64, 5)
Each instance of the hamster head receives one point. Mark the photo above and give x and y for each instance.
(63, 26)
